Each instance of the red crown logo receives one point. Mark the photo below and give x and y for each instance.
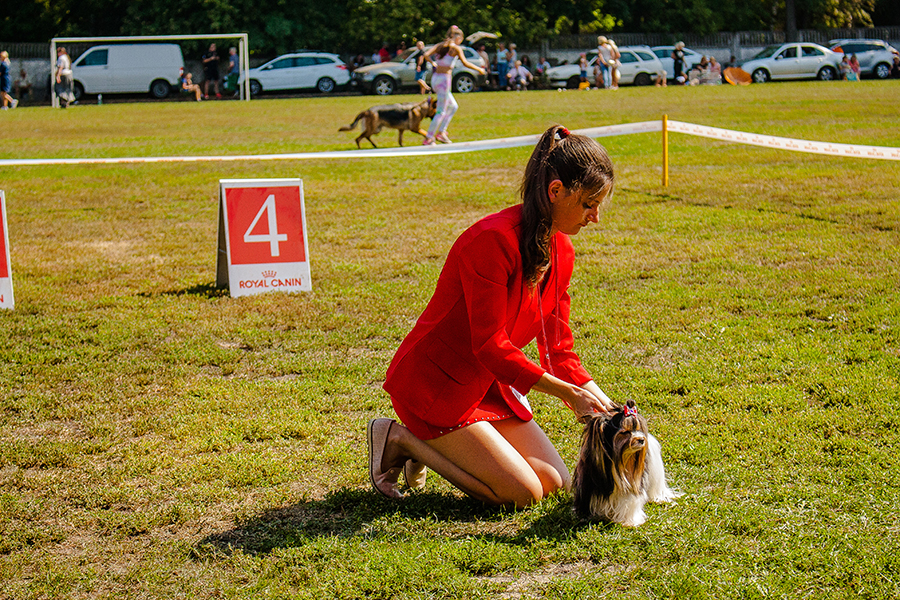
(269, 274)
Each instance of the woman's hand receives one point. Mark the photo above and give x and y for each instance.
(584, 401)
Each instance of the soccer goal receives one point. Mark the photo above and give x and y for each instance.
(242, 48)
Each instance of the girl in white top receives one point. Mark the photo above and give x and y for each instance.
(446, 54)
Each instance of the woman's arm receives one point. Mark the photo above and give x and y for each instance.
(462, 58)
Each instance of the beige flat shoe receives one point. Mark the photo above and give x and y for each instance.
(384, 482)
(414, 473)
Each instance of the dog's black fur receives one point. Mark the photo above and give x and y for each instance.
(402, 117)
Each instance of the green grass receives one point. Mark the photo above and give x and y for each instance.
(159, 439)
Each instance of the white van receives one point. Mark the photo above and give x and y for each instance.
(125, 68)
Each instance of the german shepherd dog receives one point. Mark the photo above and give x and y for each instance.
(402, 117)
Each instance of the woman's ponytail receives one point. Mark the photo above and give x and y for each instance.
(579, 163)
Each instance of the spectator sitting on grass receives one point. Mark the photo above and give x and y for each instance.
(895, 70)
(519, 77)
(845, 68)
(23, 85)
(189, 87)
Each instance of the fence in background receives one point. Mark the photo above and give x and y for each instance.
(724, 40)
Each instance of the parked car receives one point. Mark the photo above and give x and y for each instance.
(664, 53)
(390, 77)
(793, 61)
(638, 66)
(875, 56)
(128, 68)
(300, 70)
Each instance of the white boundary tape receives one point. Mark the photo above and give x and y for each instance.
(847, 150)
(770, 141)
(513, 142)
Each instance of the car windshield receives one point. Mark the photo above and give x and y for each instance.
(404, 55)
(768, 51)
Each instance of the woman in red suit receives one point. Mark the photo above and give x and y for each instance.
(459, 379)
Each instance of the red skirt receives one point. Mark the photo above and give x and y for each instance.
(491, 408)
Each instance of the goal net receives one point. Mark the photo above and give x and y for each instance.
(242, 48)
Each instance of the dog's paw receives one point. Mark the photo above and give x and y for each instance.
(665, 496)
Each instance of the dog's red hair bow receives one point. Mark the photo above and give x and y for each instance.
(563, 132)
(630, 411)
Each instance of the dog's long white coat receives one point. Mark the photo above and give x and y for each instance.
(628, 508)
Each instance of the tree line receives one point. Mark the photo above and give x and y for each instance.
(360, 26)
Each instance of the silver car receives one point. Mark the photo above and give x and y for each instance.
(390, 77)
(875, 56)
(793, 61)
(638, 65)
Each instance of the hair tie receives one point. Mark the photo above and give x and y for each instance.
(631, 411)
(562, 133)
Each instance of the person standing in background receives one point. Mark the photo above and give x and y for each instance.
(64, 81)
(211, 71)
(234, 72)
(422, 68)
(6, 82)
(604, 55)
(678, 63)
(502, 66)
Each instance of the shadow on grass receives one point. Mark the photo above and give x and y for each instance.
(351, 513)
(203, 290)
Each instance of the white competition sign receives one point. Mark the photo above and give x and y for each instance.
(6, 286)
(262, 237)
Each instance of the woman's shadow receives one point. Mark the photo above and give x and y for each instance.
(353, 512)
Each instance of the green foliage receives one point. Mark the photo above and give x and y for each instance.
(352, 26)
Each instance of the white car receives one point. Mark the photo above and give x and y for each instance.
(875, 56)
(794, 61)
(127, 68)
(637, 66)
(664, 53)
(300, 70)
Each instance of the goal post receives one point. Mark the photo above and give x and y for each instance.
(243, 52)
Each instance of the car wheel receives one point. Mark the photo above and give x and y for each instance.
(826, 74)
(642, 79)
(882, 70)
(384, 85)
(326, 85)
(464, 83)
(760, 76)
(160, 88)
(573, 82)
(255, 88)
(78, 91)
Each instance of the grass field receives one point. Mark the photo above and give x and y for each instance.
(159, 439)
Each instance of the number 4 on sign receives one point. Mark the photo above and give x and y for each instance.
(273, 237)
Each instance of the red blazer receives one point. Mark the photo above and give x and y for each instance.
(479, 317)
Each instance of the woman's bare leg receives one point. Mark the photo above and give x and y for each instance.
(507, 462)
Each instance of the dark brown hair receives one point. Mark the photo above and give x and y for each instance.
(444, 47)
(580, 163)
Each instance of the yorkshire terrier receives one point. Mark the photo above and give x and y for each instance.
(620, 469)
